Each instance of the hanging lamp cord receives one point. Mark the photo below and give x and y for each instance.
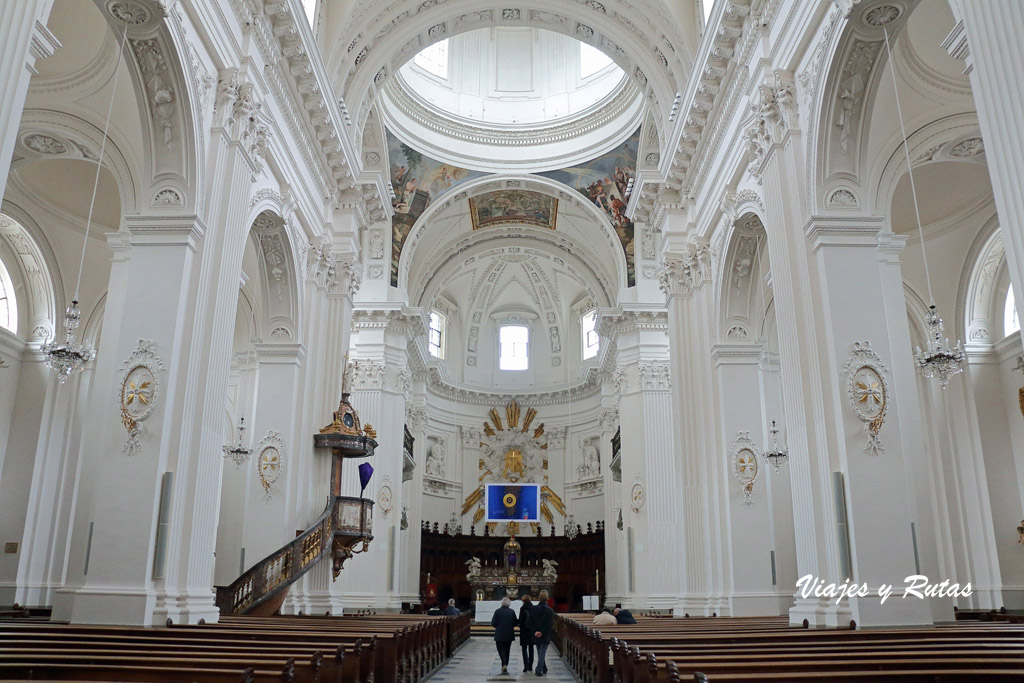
(910, 171)
(99, 161)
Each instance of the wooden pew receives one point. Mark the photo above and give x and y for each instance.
(377, 649)
(725, 649)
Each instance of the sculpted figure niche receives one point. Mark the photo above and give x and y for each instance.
(436, 458)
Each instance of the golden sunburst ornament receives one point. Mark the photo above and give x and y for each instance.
(514, 451)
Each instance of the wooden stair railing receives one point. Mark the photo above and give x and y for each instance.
(344, 525)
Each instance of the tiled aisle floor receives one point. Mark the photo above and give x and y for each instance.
(478, 661)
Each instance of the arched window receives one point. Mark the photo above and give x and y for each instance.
(8, 306)
(1011, 321)
(435, 335)
(514, 347)
(591, 342)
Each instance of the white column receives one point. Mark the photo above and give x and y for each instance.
(35, 387)
(616, 503)
(178, 288)
(686, 280)
(776, 159)
(879, 489)
(648, 456)
(270, 523)
(412, 496)
(751, 534)
(381, 383)
(24, 39)
(997, 79)
(331, 279)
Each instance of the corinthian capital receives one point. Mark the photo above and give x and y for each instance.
(772, 113)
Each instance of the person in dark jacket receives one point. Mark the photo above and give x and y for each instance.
(624, 616)
(542, 619)
(526, 632)
(451, 610)
(504, 622)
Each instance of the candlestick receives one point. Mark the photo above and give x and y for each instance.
(597, 580)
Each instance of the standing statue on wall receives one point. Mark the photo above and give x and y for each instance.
(473, 564)
(556, 342)
(591, 465)
(376, 245)
(436, 457)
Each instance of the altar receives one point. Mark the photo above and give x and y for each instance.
(508, 579)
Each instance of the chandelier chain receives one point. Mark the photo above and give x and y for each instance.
(99, 160)
(910, 170)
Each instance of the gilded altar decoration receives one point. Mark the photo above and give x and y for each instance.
(138, 391)
(744, 464)
(868, 392)
(514, 451)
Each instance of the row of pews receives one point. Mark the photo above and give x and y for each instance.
(730, 650)
(385, 648)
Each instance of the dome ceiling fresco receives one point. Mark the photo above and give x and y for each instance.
(419, 180)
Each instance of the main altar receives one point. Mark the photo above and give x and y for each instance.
(510, 578)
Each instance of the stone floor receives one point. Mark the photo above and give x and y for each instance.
(478, 661)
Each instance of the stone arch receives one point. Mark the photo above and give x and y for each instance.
(279, 276)
(984, 284)
(744, 261)
(171, 83)
(632, 36)
(32, 266)
(79, 138)
(841, 81)
(955, 138)
(611, 281)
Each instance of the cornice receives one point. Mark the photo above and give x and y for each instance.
(709, 72)
(621, 113)
(613, 322)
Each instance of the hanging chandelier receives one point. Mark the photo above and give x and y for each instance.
(238, 453)
(776, 455)
(69, 356)
(939, 360)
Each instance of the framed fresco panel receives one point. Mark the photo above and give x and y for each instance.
(523, 207)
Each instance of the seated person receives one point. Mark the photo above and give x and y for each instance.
(623, 616)
(451, 610)
(604, 618)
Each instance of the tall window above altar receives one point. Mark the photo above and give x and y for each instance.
(591, 342)
(435, 335)
(513, 347)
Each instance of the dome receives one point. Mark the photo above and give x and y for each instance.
(544, 99)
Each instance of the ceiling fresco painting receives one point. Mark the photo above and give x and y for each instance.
(419, 180)
(522, 207)
(605, 181)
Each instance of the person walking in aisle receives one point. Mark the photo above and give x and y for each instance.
(526, 632)
(504, 623)
(543, 620)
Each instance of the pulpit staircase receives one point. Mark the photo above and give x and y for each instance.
(342, 530)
